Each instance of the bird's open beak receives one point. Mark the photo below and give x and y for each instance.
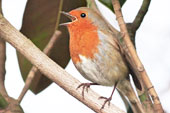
(73, 18)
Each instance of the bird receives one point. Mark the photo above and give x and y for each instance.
(97, 55)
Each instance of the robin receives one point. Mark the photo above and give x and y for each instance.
(96, 54)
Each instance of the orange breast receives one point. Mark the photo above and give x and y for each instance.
(83, 41)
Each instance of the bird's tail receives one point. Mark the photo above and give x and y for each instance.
(126, 89)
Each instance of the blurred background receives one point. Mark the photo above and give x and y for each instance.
(153, 47)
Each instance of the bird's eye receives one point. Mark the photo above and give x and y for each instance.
(83, 15)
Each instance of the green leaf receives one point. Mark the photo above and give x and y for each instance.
(108, 3)
(41, 19)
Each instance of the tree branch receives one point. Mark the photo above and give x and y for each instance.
(2, 63)
(2, 67)
(141, 14)
(130, 51)
(133, 27)
(34, 70)
(50, 69)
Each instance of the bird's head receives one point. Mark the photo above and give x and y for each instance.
(83, 18)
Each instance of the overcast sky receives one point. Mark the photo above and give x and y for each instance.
(153, 47)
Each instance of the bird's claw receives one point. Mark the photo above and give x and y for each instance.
(107, 100)
(85, 86)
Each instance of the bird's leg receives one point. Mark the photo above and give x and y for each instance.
(107, 100)
(86, 86)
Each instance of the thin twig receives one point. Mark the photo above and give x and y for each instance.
(50, 69)
(133, 55)
(133, 27)
(34, 70)
(2, 63)
(140, 15)
(7, 104)
(2, 67)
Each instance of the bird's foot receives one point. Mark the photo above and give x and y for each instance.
(85, 86)
(107, 100)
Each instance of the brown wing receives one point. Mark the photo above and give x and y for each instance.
(129, 64)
